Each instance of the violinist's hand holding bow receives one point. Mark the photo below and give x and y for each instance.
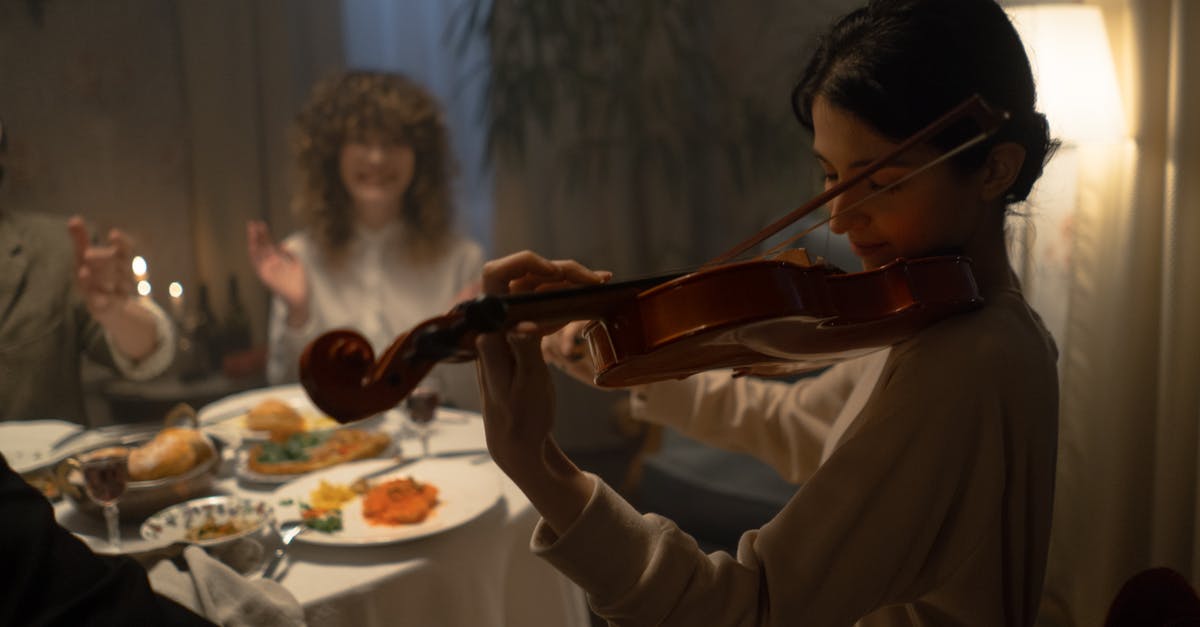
(518, 397)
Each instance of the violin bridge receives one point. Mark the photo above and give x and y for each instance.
(798, 256)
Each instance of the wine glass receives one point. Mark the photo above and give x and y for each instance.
(105, 475)
(422, 405)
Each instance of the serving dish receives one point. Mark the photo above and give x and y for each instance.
(197, 521)
(142, 498)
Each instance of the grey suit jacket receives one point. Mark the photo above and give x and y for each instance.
(44, 326)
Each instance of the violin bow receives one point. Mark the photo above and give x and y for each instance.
(989, 118)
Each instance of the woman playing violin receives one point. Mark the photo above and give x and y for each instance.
(926, 470)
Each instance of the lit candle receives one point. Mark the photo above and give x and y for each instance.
(140, 268)
(143, 287)
(175, 291)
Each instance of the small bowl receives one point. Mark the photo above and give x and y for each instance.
(175, 523)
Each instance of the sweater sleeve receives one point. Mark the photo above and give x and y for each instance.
(783, 424)
(904, 500)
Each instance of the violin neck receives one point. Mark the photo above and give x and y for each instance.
(490, 313)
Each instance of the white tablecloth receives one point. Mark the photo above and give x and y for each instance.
(480, 574)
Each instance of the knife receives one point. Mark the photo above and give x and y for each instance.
(361, 481)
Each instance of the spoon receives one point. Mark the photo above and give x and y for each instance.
(288, 531)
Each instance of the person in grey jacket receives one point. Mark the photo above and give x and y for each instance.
(62, 296)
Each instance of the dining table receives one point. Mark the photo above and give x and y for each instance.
(478, 573)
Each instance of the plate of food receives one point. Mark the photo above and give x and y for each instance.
(272, 413)
(427, 497)
(30, 445)
(208, 522)
(277, 462)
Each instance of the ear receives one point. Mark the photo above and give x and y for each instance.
(1001, 168)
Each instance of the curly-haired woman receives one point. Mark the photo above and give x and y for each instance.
(377, 252)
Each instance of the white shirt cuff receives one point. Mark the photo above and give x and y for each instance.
(156, 362)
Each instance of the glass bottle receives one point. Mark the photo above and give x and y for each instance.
(206, 334)
(236, 334)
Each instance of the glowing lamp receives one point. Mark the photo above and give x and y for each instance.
(1073, 66)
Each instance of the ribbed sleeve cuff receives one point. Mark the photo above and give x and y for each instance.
(604, 551)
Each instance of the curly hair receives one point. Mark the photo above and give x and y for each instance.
(350, 106)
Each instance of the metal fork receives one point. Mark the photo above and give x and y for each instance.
(288, 530)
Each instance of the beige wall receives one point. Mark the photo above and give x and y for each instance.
(164, 118)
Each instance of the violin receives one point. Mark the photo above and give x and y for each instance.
(764, 316)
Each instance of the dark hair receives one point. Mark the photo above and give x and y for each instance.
(349, 106)
(899, 64)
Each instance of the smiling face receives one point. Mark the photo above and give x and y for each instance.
(940, 210)
(376, 172)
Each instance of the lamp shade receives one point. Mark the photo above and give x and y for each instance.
(1073, 66)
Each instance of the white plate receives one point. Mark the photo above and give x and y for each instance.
(172, 524)
(26, 443)
(465, 490)
(226, 418)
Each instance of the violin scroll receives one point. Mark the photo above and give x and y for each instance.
(335, 370)
(343, 378)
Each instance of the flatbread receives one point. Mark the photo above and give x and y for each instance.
(312, 452)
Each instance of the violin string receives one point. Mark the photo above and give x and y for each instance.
(854, 208)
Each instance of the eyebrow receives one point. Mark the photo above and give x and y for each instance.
(899, 161)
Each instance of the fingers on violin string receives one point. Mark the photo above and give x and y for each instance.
(497, 273)
(530, 283)
(574, 271)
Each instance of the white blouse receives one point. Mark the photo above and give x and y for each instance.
(379, 293)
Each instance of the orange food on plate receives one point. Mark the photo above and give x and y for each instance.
(399, 502)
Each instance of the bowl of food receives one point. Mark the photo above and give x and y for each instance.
(165, 467)
(208, 522)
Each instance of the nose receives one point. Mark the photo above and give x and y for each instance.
(375, 152)
(845, 215)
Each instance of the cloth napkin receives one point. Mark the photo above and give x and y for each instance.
(218, 593)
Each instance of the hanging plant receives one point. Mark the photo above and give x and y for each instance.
(626, 77)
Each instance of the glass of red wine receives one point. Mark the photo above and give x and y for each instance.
(105, 475)
(422, 404)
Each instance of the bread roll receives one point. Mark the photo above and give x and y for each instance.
(276, 417)
(172, 452)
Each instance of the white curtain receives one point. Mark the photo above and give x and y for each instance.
(1128, 494)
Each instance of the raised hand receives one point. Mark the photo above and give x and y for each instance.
(278, 270)
(102, 272)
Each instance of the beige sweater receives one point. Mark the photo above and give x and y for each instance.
(928, 477)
